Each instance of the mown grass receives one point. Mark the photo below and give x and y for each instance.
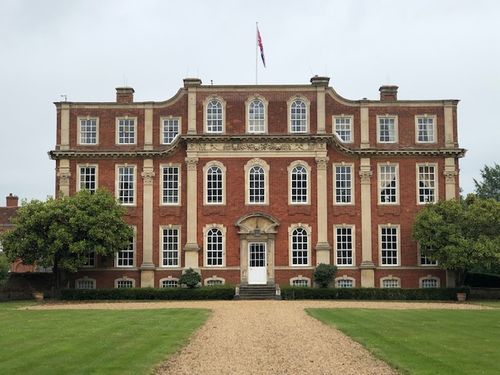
(91, 341)
(424, 341)
(490, 303)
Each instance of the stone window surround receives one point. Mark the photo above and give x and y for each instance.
(134, 228)
(117, 130)
(436, 182)
(179, 128)
(179, 183)
(379, 187)
(398, 233)
(434, 130)
(87, 165)
(168, 278)
(179, 245)
(117, 183)
(419, 255)
(87, 279)
(125, 278)
(300, 277)
(353, 235)
(206, 167)
(334, 130)
(214, 278)
(429, 277)
(223, 230)
(345, 277)
(308, 230)
(207, 100)
(248, 166)
(353, 184)
(247, 115)
(78, 139)
(290, 168)
(396, 126)
(390, 277)
(307, 102)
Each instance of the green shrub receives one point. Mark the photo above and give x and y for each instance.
(324, 274)
(224, 292)
(482, 280)
(292, 293)
(4, 269)
(190, 278)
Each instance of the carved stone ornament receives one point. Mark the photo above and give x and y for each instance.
(365, 175)
(250, 146)
(64, 177)
(450, 176)
(322, 162)
(191, 163)
(147, 176)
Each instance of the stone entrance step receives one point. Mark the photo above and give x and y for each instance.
(257, 292)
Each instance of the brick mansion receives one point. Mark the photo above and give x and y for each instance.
(258, 184)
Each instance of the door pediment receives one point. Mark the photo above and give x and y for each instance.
(257, 223)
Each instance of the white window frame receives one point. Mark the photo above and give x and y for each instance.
(206, 168)
(96, 176)
(206, 230)
(301, 278)
(91, 260)
(117, 183)
(379, 183)
(396, 133)
(134, 252)
(118, 119)
(171, 279)
(429, 277)
(435, 181)
(344, 118)
(307, 168)
(353, 245)
(345, 278)
(421, 256)
(248, 167)
(162, 243)
(206, 102)
(352, 184)
(392, 279)
(162, 129)
(434, 128)
(214, 278)
(308, 114)
(127, 279)
(85, 279)
(398, 245)
(79, 136)
(162, 181)
(248, 103)
(291, 231)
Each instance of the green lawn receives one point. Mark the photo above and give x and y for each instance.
(424, 341)
(91, 341)
(494, 303)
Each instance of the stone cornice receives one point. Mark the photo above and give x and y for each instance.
(254, 142)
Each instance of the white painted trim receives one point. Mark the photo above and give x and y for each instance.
(436, 182)
(214, 278)
(134, 241)
(168, 278)
(206, 167)
(179, 245)
(300, 277)
(429, 277)
(379, 187)
(353, 234)
(117, 130)
(248, 166)
(247, 115)
(180, 179)
(78, 174)
(125, 278)
(162, 128)
(290, 168)
(434, 130)
(85, 278)
(389, 225)
(353, 184)
(223, 230)
(207, 100)
(308, 230)
(345, 277)
(308, 113)
(396, 129)
(351, 117)
(390, 277)
(117, 183)
(79, 126)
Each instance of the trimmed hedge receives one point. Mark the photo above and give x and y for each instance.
(482, 280)
(292, 293)
(205, 293)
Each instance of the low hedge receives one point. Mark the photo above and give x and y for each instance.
(292, 293)
(205, 293)
(482, 280)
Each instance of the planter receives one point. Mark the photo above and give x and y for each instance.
(38, 296)
(461, 297)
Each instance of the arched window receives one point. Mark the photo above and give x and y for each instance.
(214, 189)
(300, 247)
(214, 116)
(256, 117)
(214, 247)
(257, 191)
(299, 182)
(298, 117)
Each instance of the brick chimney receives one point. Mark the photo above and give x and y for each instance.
(320, 81)
(12, 200)
(124, 95)
(388, 93)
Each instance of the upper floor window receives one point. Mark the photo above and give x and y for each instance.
(126, 185)
(87, 177)
(298, 116)
(214, 116)
(214, 183)
(88, 131)
(299, 184)
(256, 188)
(170, 184)
(387, 129)
(425, 129)
(343, 128)
(256, 116)
(344, 186)
(170, 246)
(426, 183)
(125, 258)
(344, 245)
(89, 260)
(170, 130)
(214, 247)
(388, 183)
(424, 259)
(389, 245)
(299, 246)
(126, 131)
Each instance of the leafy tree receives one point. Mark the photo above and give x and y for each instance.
(62, 233)
(4, 269)
(489, 187)
(460, 235)
(324, 274)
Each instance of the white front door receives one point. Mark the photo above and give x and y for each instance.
(257, 259)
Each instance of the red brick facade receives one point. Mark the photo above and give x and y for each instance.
(315, 146)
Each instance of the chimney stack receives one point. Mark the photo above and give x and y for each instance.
(388, 93)
(124, 95)
(12, 200)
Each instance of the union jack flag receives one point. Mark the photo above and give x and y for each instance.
(261, 46)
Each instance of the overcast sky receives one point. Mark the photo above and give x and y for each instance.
(84, 49)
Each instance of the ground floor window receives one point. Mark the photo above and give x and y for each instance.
(124, 283)
(390, 282)
(169, 283)
(344, 283)
(429, 282)
(300, 281)
(85, 283)
(214, 281)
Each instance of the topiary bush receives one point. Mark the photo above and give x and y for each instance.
(324, 274)
(190, 278)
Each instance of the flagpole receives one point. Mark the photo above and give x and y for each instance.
(256, 52)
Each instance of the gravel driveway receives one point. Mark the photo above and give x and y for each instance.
(269, 337)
